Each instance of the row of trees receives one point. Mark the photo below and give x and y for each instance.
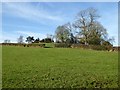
(30, 39)
(85, 29)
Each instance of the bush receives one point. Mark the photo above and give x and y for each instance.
(24, 45)
(35, 45)
(80, 46)
(94, 47)
(98, 47)
(63, 45)
(47, 40)
(116, 48)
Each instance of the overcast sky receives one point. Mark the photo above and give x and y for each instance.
(41, 18)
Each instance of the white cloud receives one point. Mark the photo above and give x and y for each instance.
(28, 33)
(13, 36)
(29, 12)
(8, 36)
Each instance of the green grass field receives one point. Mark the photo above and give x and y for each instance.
(0, 67)
(29, 67)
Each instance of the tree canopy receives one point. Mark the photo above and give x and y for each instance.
(89, 30)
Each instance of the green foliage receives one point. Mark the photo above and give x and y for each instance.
(35, 45)
(106, 43)
(62, 45)
(30, 39)
(24, 67)
(13, 44)
(80, 46)
(94, 47)
(47, 40)
(25, 45)
(36, 40)
(98, 47)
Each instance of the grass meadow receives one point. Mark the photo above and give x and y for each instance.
(0, 67)
(29, 67)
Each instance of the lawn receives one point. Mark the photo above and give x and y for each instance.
(29, 67)
(0, 67)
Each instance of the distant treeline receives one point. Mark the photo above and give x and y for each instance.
(65, 45)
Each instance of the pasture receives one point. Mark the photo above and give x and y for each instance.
(29, 67)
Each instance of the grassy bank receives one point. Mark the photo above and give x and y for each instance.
(58, 68)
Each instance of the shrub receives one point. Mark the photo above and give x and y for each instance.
(94, 47)
(35, 45)
(80, 46)
(47, 40)
(98, 47)
(63, 45)
(24, 45)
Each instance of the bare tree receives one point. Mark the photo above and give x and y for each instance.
(96, 34)
(85, 20)
(6, 41)
(111, 40)
(50, 36)
(71, 30)
(62, 33)
(20, 39)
